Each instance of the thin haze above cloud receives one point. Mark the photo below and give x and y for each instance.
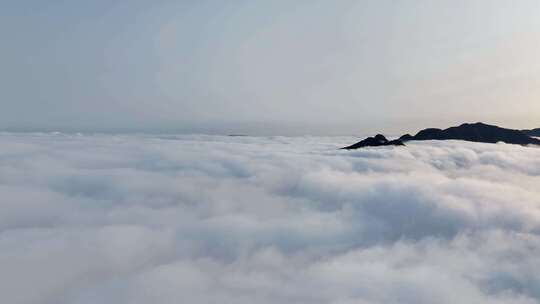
(272, 67)
(209, 219)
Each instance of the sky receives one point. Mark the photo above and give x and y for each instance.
(268, 67)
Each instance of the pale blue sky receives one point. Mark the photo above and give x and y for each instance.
(274, 67)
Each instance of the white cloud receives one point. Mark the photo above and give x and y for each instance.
(209, 219)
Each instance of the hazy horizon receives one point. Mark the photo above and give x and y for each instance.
(273, 129)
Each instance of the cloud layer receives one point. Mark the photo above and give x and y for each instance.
(210, 219)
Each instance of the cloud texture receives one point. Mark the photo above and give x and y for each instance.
(210, 219)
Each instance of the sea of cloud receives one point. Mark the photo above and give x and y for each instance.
(139, 219)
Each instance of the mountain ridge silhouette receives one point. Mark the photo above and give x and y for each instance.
(474, 132)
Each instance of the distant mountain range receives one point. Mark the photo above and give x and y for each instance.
(475, 132)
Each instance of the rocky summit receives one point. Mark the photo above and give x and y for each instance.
(475, 132)
(377, 141)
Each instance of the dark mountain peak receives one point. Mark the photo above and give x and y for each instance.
(476, 125)
(429, 133)
(376, 141)
(475, 132)
(406, 137)
(380, 138)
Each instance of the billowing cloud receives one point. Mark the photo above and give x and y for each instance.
(210, 219)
